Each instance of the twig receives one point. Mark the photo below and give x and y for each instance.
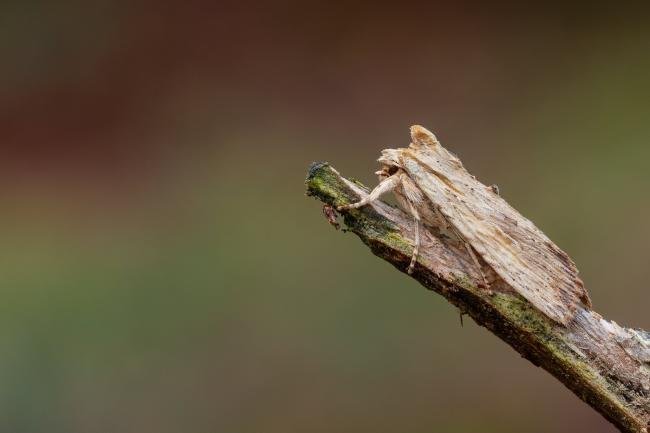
(604, 364)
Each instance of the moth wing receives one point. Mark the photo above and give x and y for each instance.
(511, 244)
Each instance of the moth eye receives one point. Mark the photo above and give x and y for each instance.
(392, 170)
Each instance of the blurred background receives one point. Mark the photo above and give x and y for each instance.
(162, 270)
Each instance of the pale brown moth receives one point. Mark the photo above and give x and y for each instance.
(431, 184)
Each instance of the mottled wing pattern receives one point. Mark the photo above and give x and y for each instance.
(511, 244)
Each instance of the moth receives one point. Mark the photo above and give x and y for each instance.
(432, 185)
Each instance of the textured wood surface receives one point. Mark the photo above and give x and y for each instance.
(606, 365)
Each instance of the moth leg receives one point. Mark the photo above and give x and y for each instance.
(416, 247)
(384, 186)
(470, 250)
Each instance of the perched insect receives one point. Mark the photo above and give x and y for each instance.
(431, 184)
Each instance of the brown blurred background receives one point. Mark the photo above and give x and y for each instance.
(162, 271)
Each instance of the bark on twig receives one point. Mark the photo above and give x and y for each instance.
(604, 364)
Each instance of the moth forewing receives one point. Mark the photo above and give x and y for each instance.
(517, 251)
(432, 184)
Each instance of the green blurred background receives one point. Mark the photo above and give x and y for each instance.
(162, 270)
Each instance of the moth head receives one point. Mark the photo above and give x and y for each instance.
(421, 136)
(390, 162)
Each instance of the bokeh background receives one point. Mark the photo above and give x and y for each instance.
(162, 271)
